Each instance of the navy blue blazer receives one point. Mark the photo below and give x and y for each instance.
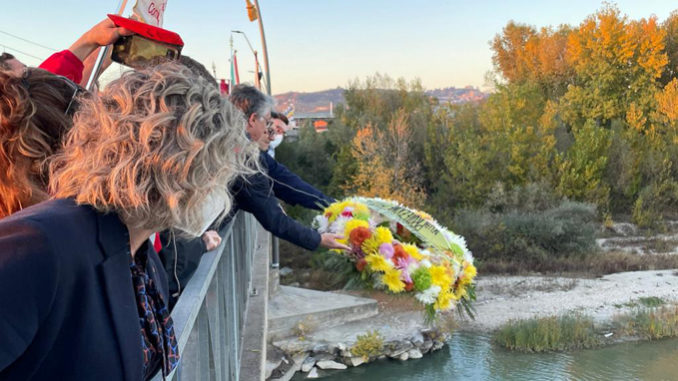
(68, 309)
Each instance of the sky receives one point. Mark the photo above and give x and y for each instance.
(321, 44)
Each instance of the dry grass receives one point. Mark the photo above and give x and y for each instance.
(597, 264)
(651, 323)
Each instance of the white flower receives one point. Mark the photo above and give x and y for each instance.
(429, 295)
(321, 223)
(425, 263)
(339, 224)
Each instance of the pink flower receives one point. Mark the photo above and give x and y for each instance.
(405, 276)
(386, 250)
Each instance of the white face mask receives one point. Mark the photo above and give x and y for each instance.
(211, 209)
(276, 142)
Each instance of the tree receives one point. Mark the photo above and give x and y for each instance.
(384, 165)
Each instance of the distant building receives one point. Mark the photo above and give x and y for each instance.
(320, 120)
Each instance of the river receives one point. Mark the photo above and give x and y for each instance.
(473, 357)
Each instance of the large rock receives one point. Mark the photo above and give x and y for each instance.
(329, 364)
(313, 373)
(417, 339)
(346, 353)
(323, 348)
(396, 348)
(403, 356)
(354, 361)
(414, 353)
(307, 365)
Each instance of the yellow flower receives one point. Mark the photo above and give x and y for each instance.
(378, 263)
(444, 301)
(440, 277)
(392, 280)
(470, 271)
(381, 235)
(334, 210)
(352, 224)
(413, 251)
(459, 292)
(467, 275)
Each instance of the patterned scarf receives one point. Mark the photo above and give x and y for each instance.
(157, 329)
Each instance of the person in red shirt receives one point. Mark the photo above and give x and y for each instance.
(76, 62)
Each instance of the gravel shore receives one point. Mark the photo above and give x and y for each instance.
(504, 298)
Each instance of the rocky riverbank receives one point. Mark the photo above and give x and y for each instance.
(397, 332)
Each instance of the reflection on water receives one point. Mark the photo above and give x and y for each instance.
(473, 357)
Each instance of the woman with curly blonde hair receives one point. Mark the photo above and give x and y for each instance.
(35, 114)
(157, 149)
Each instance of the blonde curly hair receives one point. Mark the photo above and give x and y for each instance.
(152, 147)
(33, 121)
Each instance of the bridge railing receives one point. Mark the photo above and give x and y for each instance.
(209, 316)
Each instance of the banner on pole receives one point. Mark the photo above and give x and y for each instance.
(150, 11)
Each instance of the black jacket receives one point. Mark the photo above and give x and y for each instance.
(67, 304)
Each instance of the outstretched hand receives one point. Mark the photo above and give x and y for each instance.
(212, 239)
(329, 240)
(102, 34)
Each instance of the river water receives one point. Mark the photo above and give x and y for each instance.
(473, 357)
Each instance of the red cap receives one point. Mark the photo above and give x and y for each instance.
(148, 31)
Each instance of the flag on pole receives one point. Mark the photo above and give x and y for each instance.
(223, 87)
(234, 73)
(150, 11)
(252, 12)
(235, 77)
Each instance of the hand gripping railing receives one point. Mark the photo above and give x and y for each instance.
(209, 315)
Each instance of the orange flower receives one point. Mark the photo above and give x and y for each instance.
(399, 253)
(358, 235)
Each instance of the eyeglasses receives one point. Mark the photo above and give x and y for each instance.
(76, 88)
(270, 128)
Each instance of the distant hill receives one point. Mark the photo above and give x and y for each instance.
(310, 102)
(320, 100)
(455, 95)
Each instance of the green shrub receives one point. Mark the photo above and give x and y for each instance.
(652, 202)
(371, 344)
(651, 323)
(548, 334)
(529, 237)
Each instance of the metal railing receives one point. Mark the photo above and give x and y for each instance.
(209, 315)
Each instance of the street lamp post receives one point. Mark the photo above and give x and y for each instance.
(256, 59)
(263, 47)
